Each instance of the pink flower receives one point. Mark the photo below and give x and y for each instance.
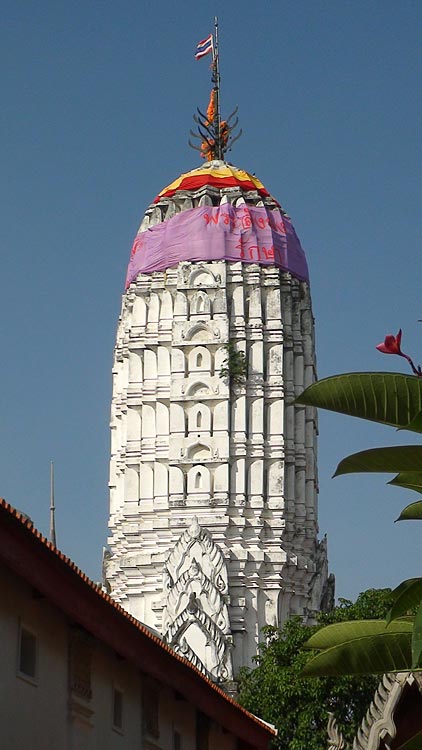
(391, 345)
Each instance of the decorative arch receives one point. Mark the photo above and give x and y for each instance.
(273, 305)
(202, 276)
(133, 423)
(166, 306)
(146, 482)
(220, 302)
(135, 366)
(196, 618)
(256, 477)
(131, 483)
(256, 358)
(177, 418)
(199, 359)
(199, 479)
(199, 451)
(199, 331)
(163, 426)
(177, 482)
(148, 421)
(199, 418)
(163, 361)
(153, 309)
(198, 389)
(150, 365)
(275, 361)
(139, 312)
(180, 306)
(200, 304)
(178, 364)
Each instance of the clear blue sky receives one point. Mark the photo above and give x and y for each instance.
(97, 100)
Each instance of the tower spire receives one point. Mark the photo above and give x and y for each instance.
(52, 507)
(216, 82)
(214, 133)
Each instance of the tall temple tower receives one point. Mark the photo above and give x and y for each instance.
(213, 505)
(213, 474)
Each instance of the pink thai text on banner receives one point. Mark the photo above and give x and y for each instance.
(248, 234)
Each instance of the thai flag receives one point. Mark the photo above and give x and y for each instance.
(204, 47)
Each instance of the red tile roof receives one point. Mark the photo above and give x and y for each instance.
(29, 554)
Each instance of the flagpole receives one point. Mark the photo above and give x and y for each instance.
(216, 65)
(52, 506)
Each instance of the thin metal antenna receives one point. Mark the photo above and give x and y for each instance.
(52, 507)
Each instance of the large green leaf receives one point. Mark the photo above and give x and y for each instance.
(401, 458)
(368, 648)
(412, 512)
(342, 632)
(415, 425)
(387, 397)
(410, 480)
(407, 596)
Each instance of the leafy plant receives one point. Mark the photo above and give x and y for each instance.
(393, 644)
(276, 690)
(234, 366)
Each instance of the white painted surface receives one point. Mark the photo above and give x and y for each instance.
(241, 460)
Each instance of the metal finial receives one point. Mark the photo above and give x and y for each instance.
(215, 135)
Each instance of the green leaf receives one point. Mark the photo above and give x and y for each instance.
(342, 632)
(415, 743)
(410, 480)
(406, 596)
(399, 458)
(373, 649)
(412, 512)
(417, 638)
(390, 398)
(415, 425)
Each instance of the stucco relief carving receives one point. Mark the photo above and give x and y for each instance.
(196, 618)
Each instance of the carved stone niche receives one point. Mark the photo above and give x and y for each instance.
(80, 651)
(196, 618)
(202, 275)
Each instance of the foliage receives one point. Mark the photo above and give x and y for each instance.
(361, 647)
(276, 691)
(234, 366)
(396, 400)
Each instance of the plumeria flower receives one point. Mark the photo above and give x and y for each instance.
(392, 345)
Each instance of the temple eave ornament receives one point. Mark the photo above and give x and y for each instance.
(196, 617)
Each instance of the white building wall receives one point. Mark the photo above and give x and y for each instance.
(70, 707)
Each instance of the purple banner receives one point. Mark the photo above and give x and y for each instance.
(246, 233)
